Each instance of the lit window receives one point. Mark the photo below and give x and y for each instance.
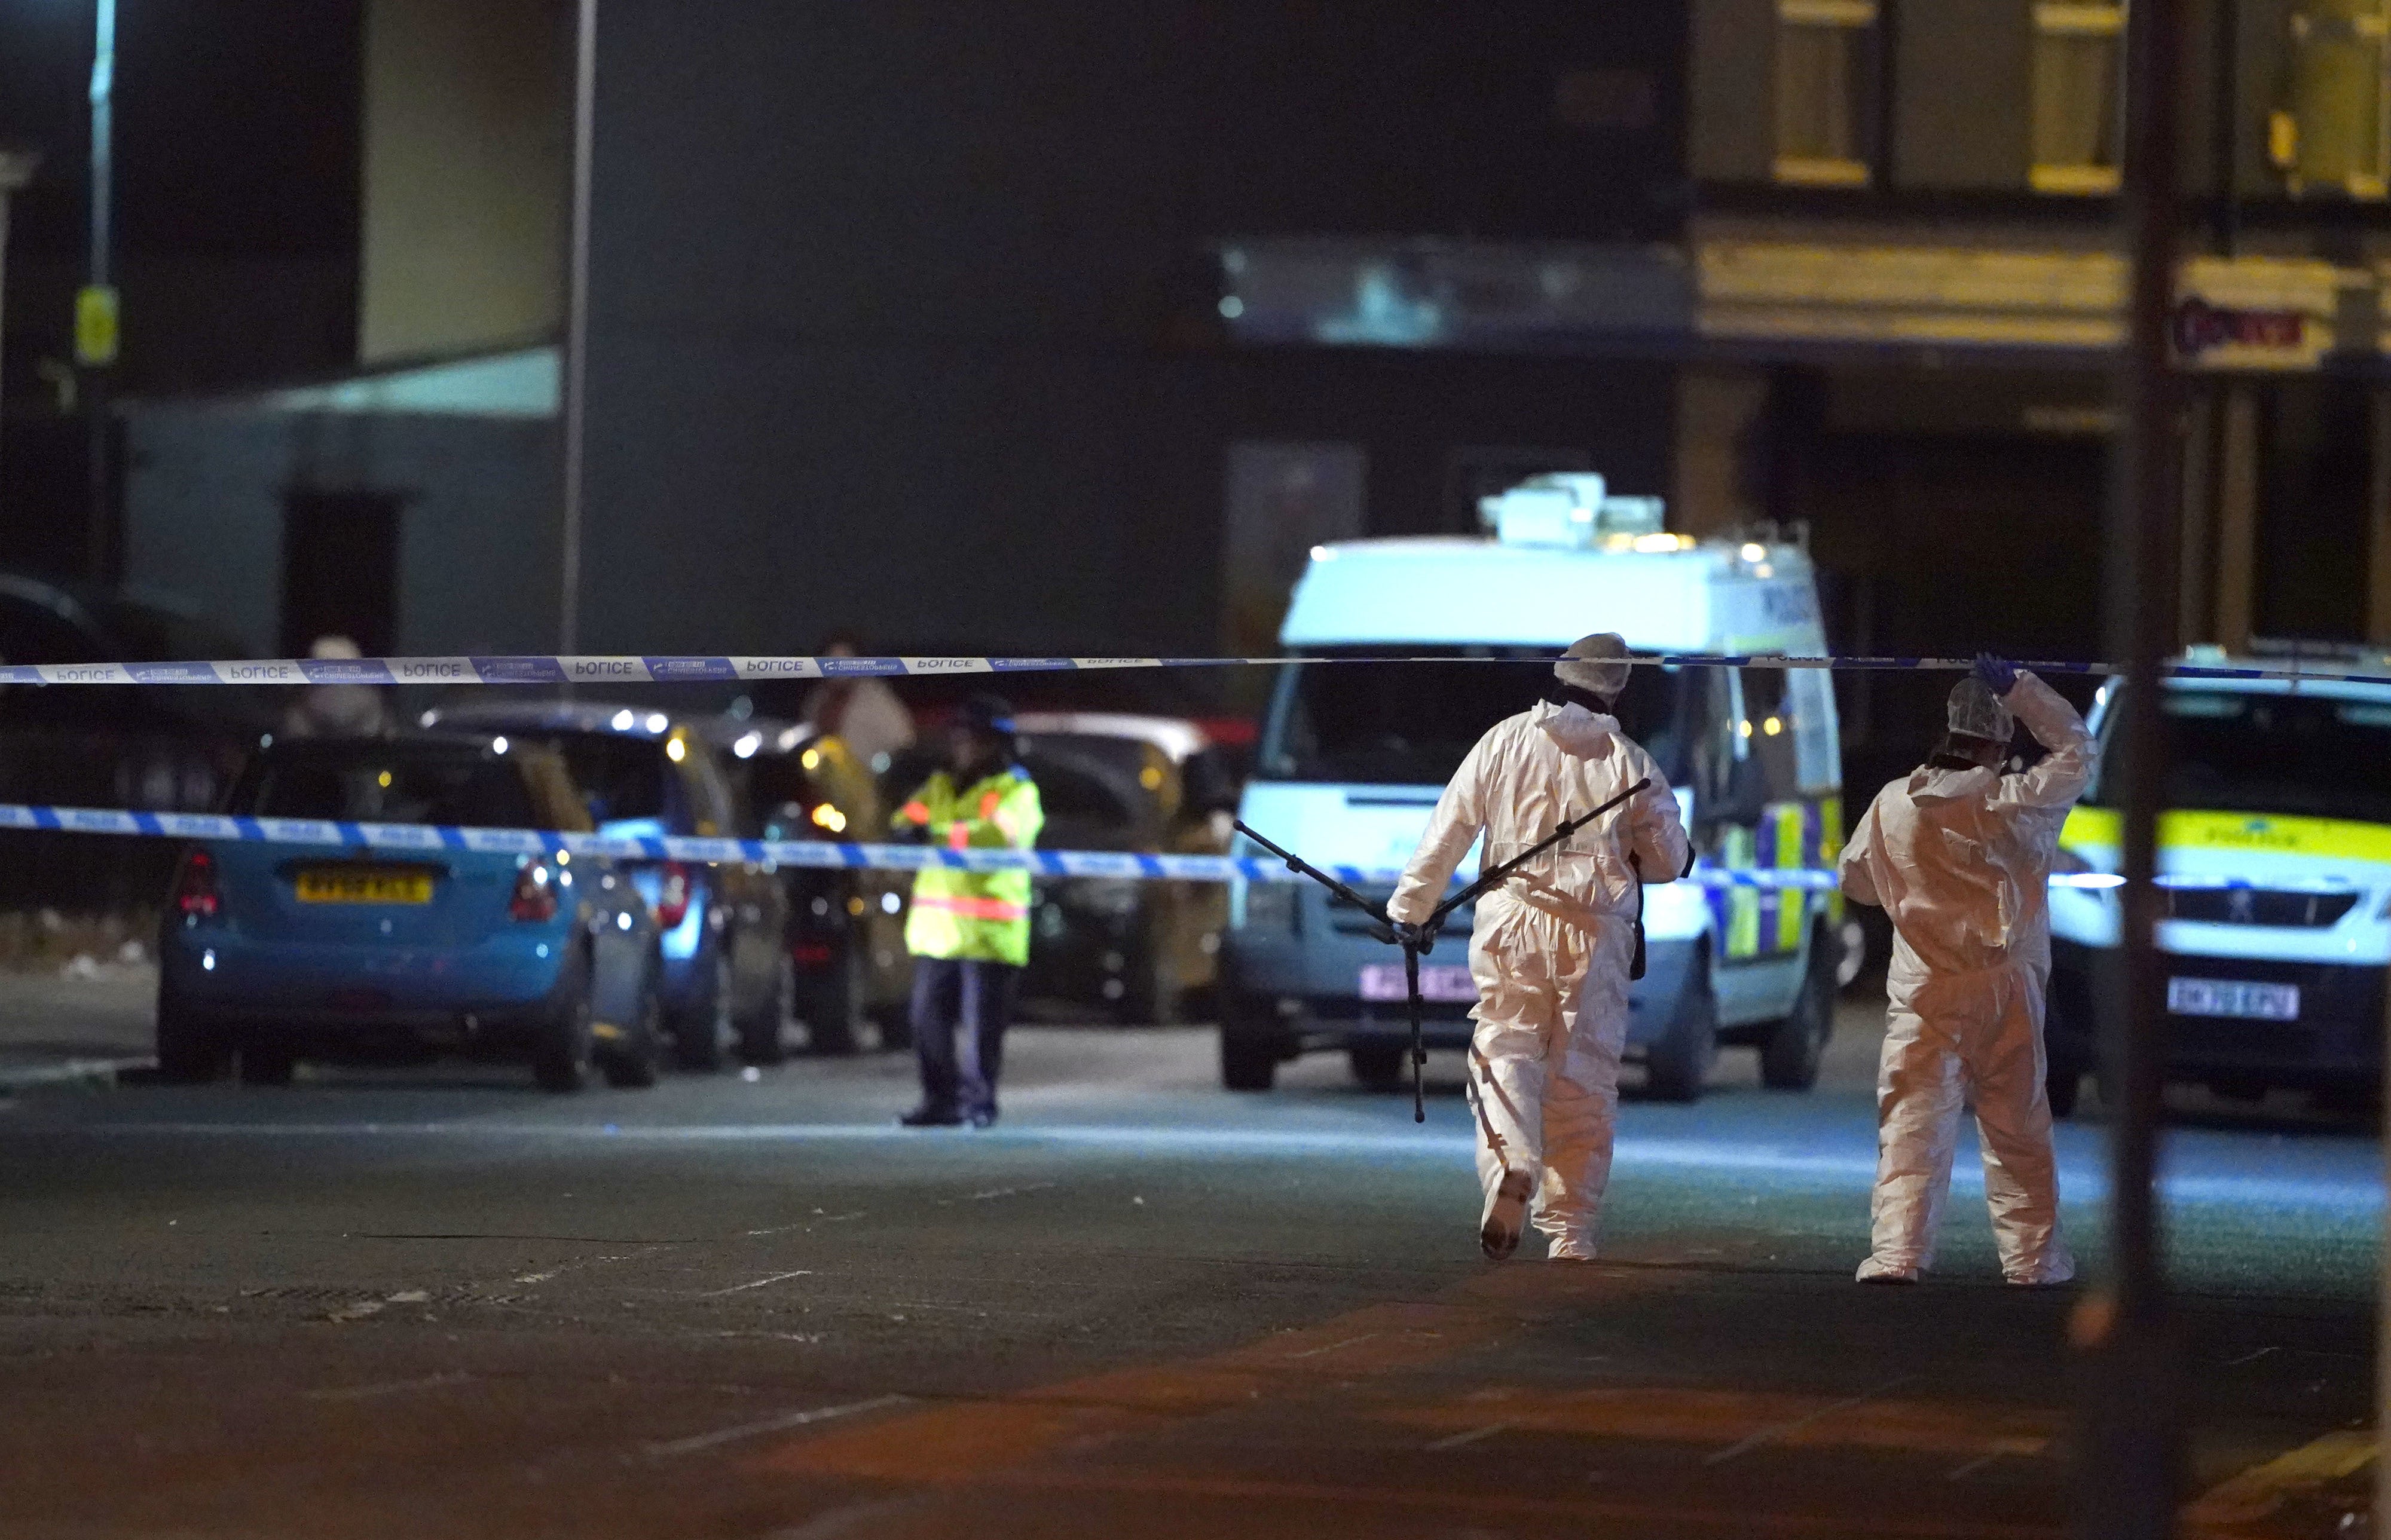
(2079, 59)
(1826, 91)
(2331, 133)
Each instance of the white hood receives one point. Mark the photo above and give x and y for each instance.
(1576, 730)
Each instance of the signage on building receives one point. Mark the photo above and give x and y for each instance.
(2201, 328)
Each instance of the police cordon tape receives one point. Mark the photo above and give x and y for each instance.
(596, 670)
(820, 854)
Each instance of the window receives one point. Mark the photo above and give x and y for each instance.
(1826, 92)
(2079, 59)
(2330, 132)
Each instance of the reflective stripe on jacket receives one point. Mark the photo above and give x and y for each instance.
(980, 916)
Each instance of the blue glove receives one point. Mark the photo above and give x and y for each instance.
(1998, 675)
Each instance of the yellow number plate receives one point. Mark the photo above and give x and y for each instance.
(343, 885)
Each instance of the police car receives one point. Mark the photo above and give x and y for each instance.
(1353, 755)
(2275, 859)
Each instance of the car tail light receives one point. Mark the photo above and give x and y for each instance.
(534, 894)
(195, 887)
(672, 905)
(810, 954)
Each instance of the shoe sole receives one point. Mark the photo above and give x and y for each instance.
(1497, 1239)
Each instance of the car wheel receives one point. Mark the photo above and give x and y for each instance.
(1250, 1044)
(1676, 1067)
(896, 1025)
(699, 1032)
(633, 1066)
(1379, 1065)
(567, 1048)
(191, 1049)
(267, 1063)
(1790, 1059)
(761, 1039)
(831, 1004)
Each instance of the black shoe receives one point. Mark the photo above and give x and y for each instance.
(983, 1117)
(930, 1117)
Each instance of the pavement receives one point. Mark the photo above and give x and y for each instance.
(438, 1303)
(88, 1021)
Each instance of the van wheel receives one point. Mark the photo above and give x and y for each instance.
(2063, 1081)
(1790, 1059)
(1379, 1065)
(1676, 1067)
(1248, 1063)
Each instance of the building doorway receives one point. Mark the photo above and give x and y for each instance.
(340, 570)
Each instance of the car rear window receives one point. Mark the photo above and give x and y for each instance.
(623, 777)
(390, 787)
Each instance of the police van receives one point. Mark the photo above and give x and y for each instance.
(1354, 755)
(2275, 862)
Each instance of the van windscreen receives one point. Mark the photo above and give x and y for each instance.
(2245, 751)
(1410, 724)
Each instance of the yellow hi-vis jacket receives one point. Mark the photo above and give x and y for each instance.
(981, 915)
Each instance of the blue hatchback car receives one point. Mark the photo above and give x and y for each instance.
(271, 953)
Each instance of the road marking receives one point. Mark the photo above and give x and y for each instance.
(393, 1387)
(1461, 1440)
(780, 1424)
(1314, 1353)
(2260, 1490)
(1963, 1473)
(995, 1192)
(742, 1287)
(1745, 1446)
(2250, 1357)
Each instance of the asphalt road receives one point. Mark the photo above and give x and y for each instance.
(441, 1304)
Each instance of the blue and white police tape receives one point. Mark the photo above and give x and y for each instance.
(593, 670)
(401, 840)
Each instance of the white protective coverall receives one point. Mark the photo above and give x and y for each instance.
(1550, 949)
(1960, 861)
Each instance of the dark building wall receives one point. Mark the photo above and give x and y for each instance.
(901, 320)
(477, 534)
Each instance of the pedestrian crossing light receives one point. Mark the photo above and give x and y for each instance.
(96, 325)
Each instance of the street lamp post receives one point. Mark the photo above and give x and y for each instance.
(96, 305)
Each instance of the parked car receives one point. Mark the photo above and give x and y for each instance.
(725, 977)
(157, 747)
(1112, 781)
(845, 938)
(270, 954)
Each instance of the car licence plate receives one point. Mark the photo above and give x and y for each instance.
(363, 885)
(2228, 998)
(1444, 982)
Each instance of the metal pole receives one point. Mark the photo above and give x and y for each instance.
(2131, 1472)
(576, 326)
(103, 88)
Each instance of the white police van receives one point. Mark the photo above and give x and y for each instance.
(1354, 755)
(2275, 853)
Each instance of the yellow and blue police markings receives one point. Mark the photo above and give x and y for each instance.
(2095, 833)
(1770, 921)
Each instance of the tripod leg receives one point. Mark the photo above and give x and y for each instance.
(1419, 1052)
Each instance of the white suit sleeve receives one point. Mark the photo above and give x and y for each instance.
(1852, 870)
(1459, 819)
(1660, 845)
(2067, 767)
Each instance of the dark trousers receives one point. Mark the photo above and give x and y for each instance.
(956, 995)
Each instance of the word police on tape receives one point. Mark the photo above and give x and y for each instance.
(592, 670)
